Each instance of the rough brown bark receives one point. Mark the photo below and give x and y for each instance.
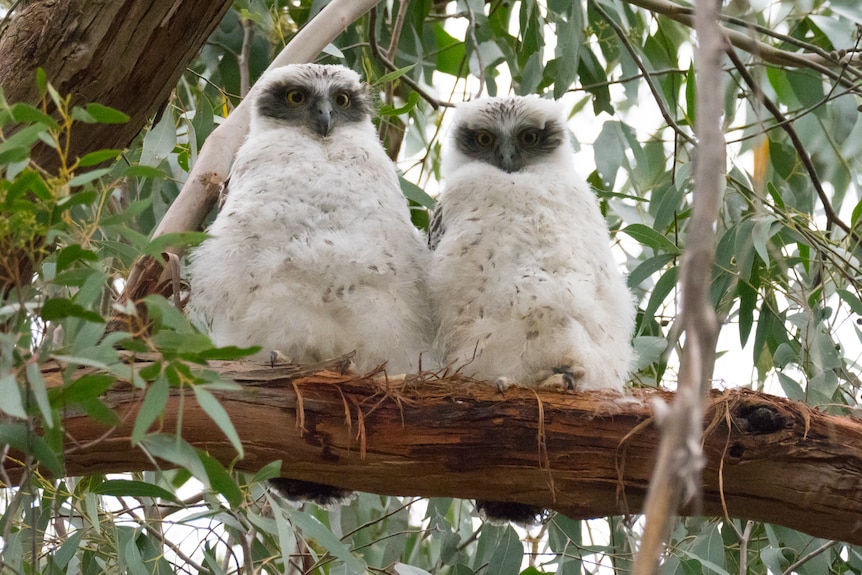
(125, 54)
(585, 455)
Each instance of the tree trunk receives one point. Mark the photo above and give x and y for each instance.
(125, 54)
(586, 455)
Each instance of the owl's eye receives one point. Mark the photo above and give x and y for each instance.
(484, 139)
(342, 99)
(529, 137)
(295, 97)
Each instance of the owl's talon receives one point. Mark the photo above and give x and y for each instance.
(564, 379)
(349, 368)
(276, 357)
(503, 383)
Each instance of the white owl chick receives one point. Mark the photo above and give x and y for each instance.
(525, 287)
(313, 253)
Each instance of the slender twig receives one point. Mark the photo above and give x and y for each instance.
(744, 42)
(743, 547)
(471, 29)
(188, 563)
(831, 216)
(665, 113)
(808, 557)
(245, 52)
(389, 65)
(680, 459)
(396, 29)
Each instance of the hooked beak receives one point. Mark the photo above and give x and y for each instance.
(508, 158)
(323, 121)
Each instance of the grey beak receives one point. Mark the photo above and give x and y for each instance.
(508, 157)
(323, 121)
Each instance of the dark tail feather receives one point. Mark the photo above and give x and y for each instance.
(502, 512)
(298, 491)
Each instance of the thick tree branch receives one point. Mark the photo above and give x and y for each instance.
(127, 55)
(453, 438)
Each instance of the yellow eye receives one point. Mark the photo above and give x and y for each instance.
(529, 137)
(295, 97)
(484, 139)
(342, 99)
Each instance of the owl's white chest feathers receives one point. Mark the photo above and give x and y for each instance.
(523, 279)
(314, 254)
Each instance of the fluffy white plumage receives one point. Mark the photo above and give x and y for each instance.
(313, 253)
(524, 285)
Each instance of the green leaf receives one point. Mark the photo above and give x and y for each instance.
(40, 393)
(94, 158)
(507, 557)
(651, 238)
(27, 114)
(269, 471)
(88, 177)
(41, 81)
(177, 451)
(220, 480)
(648, 267)
(10, 397)
(691, 95)
(662, 288)
(412, 100)
(413, 192)
(85, 388)
(851, 300)
(314, 529)
(451, 54)
(73, 253)
(159, 142)
(152, 407)
(56, 309)
(394, 75)
(69, 547)
(177, 239)
(217, 413)
(128, 488)
(19, 437)
(164, 314)
(106, 115)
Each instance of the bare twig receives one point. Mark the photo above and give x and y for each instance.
(743, 547)
(471, 29)
(677, 473)
(389, 65)
(396, 29)
(245, 52)
(809, 556)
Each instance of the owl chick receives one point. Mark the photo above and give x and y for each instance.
(523, 282)
(313, 253)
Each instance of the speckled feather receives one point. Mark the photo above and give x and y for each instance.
(313, 252)
(522, 278)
